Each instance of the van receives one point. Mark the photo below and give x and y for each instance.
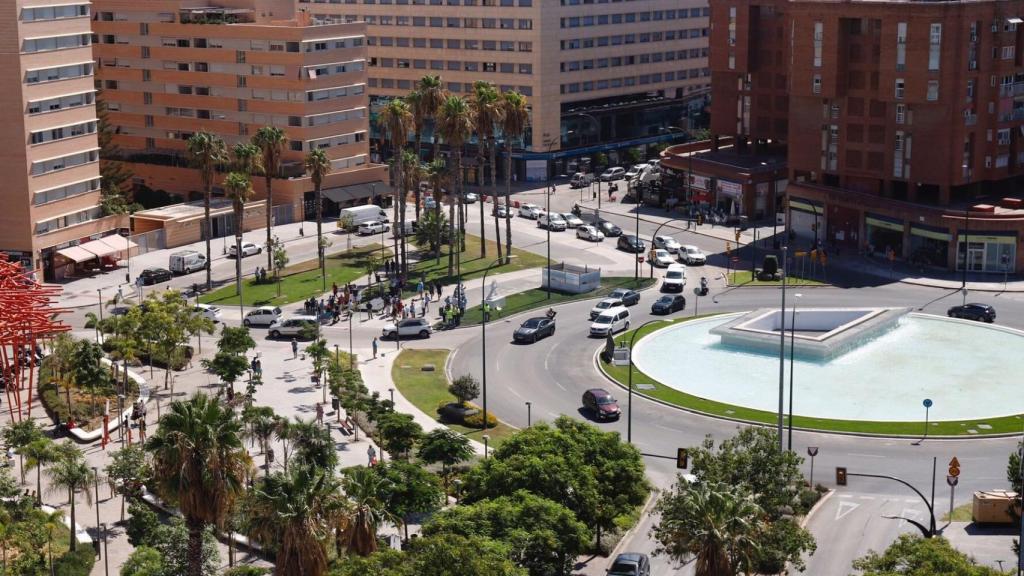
(293, 326)
(675, 278)
(186, 262)
(409, 229)
(610, 321)
(364, 214)
(581, 180)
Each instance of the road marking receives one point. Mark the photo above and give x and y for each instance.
(910, 513)
(845, 508)
(866, 497)
(865, 455)
(513, 391)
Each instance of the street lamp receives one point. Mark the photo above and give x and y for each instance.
(391, 392)
(782, 351)
(792, 350)
(629, 407)
(927, 403)
(812, 451)
(96, 487)
(486, 439)
(99, 297)
(528, 419)
(689, 163)
(547, 194)
(106, 556)
(483, 334)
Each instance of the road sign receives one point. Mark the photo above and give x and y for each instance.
(640, 259)
(954, 467)
(927, 402)
(952, 480)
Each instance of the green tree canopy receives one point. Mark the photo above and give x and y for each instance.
(446, 447)
(465, 388)
(409, 490)
(436, 556)
(911, 555)
(144, 561)
(398, 433)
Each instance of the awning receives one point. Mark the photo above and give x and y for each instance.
(118, 242)
(355, 192)
(76, 254)
(1014, 20)
(99, 248)
(883, 222)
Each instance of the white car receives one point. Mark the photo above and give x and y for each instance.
(667, 243)
(408, 328)
(248, 249)
(262, 316)
(661, 258)
(588, 232)
(552, 221)
(294, 326)
(373, 228)
(606, 304)
(611, 174)
(635, 171)
(211, 312)
(530, 211)
(692, 255)
(572, 220)
(675, 279)
(470, 197)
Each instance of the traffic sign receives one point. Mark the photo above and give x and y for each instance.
(927, 403)
(954, 467)
(640, 259)
(952, 480)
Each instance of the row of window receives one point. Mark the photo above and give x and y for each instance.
(641, 80)
(58, 73)
(339, 140)
(454, 65)
(451, 44)
(642, 38)
(504, 3)
(62, 103)
(265, 94)
(70, 220)
(69, 161)
(56, 43)
(453, 87)
(67, 191)
(631, 17)
(54, 12)
(590, 64)
(438, 22)
(586, 2)
(53, 134)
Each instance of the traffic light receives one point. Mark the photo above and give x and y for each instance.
(682, 459)
(728, 248)
(737, 236)
(840, 476)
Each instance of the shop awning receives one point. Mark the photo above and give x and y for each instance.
(76, 254)
(343, 194)
(882, 222)
(118, 242)
(929, 232)
(99, 248)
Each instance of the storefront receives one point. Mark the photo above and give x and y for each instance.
(987, 251)
(929, 246)
(806, 217)
(729, 196)
(884, 235)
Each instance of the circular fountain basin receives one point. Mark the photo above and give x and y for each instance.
(969, 371)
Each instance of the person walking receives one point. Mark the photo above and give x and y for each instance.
(371, 455)
(319, 413)
(295, 348)
(374, 344)
(426, 307)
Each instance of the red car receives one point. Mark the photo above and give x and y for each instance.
(601, 404)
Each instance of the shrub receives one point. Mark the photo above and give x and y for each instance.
(55, 403)
(77, 563)
(464, 388)
(141, 525)
(475, 420)
(808, 498)
(246, 571)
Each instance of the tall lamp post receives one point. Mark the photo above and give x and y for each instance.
(483, 335)
(782, 353)
(689, 161)
(792, 350)
(547, 209)
(629, 407)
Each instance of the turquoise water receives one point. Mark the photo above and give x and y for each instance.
(969, 370)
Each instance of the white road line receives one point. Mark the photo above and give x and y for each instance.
(865, 455)
(513, 391)
(866, 497)
(845, 508)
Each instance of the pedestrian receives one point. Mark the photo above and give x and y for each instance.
(334, 288)
(412, 308)
(371, 455)
(426, 307)
(419, 289)
(374, 345)
(319, 413)
(295, 348)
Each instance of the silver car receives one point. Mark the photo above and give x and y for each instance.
(588, 232)
(572, 220)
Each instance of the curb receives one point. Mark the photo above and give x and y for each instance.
(651, 500)
(817, 505)
(83, 436)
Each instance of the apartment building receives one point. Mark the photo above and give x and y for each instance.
(849, 88)
(170, 68)
(48, 124)
(599, 75)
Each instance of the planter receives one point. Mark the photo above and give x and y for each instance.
(455, 413)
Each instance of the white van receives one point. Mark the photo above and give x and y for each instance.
(675, 278)
(186, 262)
(610, 321)
(295, 326)
(364, 214)
(581, 180)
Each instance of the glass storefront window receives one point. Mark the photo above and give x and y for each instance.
(987, 253)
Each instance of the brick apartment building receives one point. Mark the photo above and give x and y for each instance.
(599, 75)
(170, 68)
(902, 122)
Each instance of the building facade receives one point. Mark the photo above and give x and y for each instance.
(50, 159)
(599, 75)
(168, 69)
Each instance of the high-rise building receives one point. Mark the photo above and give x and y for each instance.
(48, 123)
(170, 68)
(599, 75)
(903, 121)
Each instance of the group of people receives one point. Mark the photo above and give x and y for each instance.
(261, 275)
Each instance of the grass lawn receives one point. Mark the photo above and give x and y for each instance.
(745, 277)
(1007, 424)
(538, 298)
(962, 513)
(428, 389)
(300, 281)
(473, 266)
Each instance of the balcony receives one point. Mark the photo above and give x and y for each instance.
(1007, 90)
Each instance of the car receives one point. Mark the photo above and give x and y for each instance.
(666, 243)
(295, 326)
(470, 197)
(691, 255)
(572, 220)
(979, 312)
(370, 228)
(628, 297)
(630, 564)
(552, 221)
(614, 173)
(668, 304)
(531, 211)
(248, 249)
(675, 279)
(211, 312)
(408, 328)
(631, 244)
(661, 258)
(608, 229)
(501, 211)
(262, 316)
(154, 276)
(605, 304)
(534, 329)
(634, 171)
(601, 404)
(588, 232)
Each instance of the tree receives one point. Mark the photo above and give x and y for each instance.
(474, 556)
(318, 353)
(409, 490)
(262, 428)
(293, 514)
(515, 117)
(437, 174)
(486, 109)
(129, 470)
(366, 492)
(465, 388)
(313, 445)
(114, 175)
(318, 165)
(89, 372)
(455, 126)
(446, 447)
(206, 152)
(54, 522)
(911, 555)
(432, 94)
(432, 232)
(174, 542)
(229, 363)
(1013, 469)
(71, 473)
(270, 140)
(280, 260)
(545, 536)
(200, 465)
(419, 115)
(144, 561)
(142, 524)
(396, 121)
(713, 522)
(40, 452)
(248, 158)
(238, 187)
(21, 434)
(398, 433)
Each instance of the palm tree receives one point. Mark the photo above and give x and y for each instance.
(396, 120)
(40, 452)
(437, 175)
(366, 511)
(238, 188)
(70, 472)
(415, 101)
(514, 120)
(294, 514)
(271, 141)
(54, 522)
(285, 434)
(318, 165)
(200, 464)
(207, 152)
(454, 125)
(711, 521)
(414, 174)
(432, 94)
(486, 109)
(262, 428)
(248, 160)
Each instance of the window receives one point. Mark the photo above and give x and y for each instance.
(1008, 52)
(933, 90)
(54, 12)
(53, 134)
(1003, 137)
(818, 39)
(901, 46)
(58, 73)
(61, 103)
(900, 86)
(56, 43)
(934, 46)
(66, 191)
(816, 84)
(69, 220)
(901, 113)
(63, 162)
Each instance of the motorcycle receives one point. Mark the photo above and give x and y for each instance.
(576, 211)
(703, 286)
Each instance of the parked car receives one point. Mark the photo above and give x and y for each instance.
(186, 262)
(668, 304)
(661, 258)
(211, 312)
(248, 249)
(262, 316)
(634, 171)
(501, 211)
(631, 244)
(572, 220)
(408, 328)
(154, 276)
(470, 197)
(588, 232)
(605, 304)
(552, 221)
(979, 312)
(608, 229)
(293, 326)
(675, 279)
(692, 256)
(369, 228)
(628, 297)
(601, 404)
(531, 211)
(630, 564)
(614, 173)
(364, 213)
(666, 243)
(534, 329)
